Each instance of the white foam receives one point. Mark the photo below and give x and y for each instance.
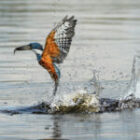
(79, 101)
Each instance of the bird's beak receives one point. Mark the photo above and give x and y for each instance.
(21, 48)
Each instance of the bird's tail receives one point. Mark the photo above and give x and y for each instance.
(55, 87)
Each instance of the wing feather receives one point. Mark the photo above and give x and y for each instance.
(62, 38)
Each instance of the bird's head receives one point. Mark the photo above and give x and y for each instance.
(32, 46)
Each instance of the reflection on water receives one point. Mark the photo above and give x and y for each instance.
(123, 125)
(57, 130)
(107, 37)
(97, 127)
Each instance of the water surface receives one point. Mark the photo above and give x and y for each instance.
(106, 40)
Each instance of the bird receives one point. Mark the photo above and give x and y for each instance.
(56, 48)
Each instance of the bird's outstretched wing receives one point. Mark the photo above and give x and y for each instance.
(59, 40)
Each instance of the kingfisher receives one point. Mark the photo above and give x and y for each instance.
(56, 48)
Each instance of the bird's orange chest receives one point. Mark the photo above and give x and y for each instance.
(47, 64)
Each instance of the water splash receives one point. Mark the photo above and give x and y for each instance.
(94, 84)
(88, 99)
(134, 85)
(83, 101)
(79, 101)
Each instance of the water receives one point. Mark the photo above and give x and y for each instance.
(106, 41)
